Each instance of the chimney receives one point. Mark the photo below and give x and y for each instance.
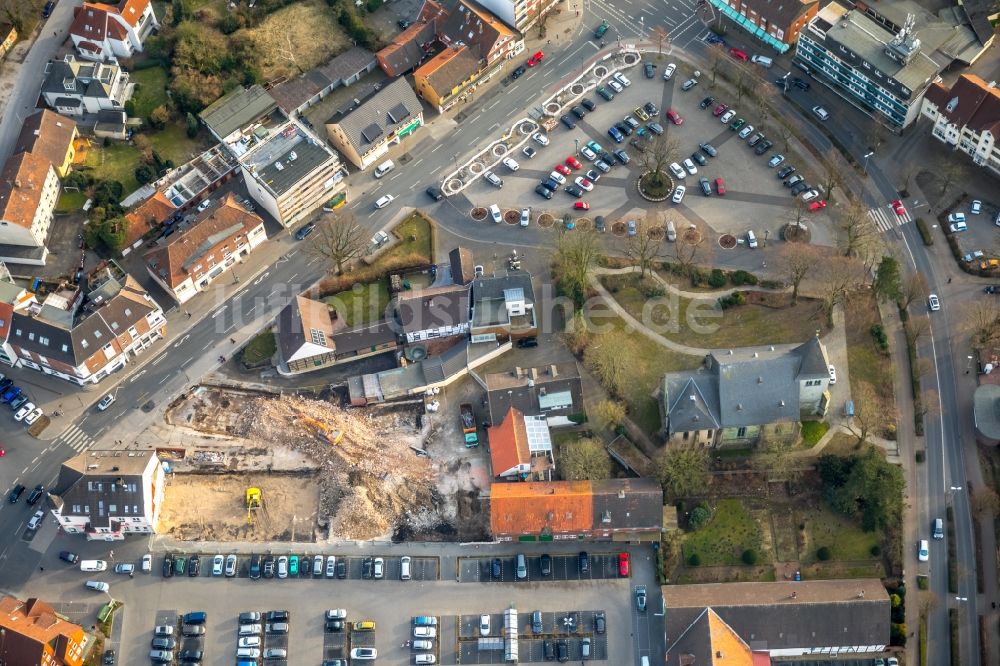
(533, 373)
(760, 380)
(17, 183)
(755, 354)
(553, 371)
(517, 372)
(739, 407)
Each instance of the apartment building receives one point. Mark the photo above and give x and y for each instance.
(84, 333)
(967, 118)
(29, 190)
(108, 494)
(73, 87)
(882, 73)
(33, 634)
(774, 23)
(196, 255)
(105, 33)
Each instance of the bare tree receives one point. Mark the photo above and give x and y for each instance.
(763, 107)
(686, 247)
(914, 288)
(982, 316)
(917, 327)
(574, 256)
(743, 78)
(338, 239)
(660, 152)
(797, 212)
(873, 413)
(951, 172)
(876, 131)
(661, 36)
(774, 458)
(909, 173)
(857, 229)
(796, 261)
(646, 245)
(838, 277)
(832, 173)
(716, 61)
(683, 471)
(610, 356)
(784, 133)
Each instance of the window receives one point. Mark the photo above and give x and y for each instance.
(741, 431)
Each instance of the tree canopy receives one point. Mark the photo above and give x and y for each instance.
(864, 486)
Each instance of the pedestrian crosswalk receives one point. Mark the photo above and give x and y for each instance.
(76, 439)
(885, 218)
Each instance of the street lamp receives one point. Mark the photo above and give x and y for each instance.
(576, 144)
(867, 155)
(767, 232)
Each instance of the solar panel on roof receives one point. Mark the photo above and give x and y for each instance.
(371, 132)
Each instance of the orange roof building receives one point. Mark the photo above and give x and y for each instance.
(29, 190)
(609, 510)
(192, 258)
(509, 452)
(33, 635)
(105, 33)
(50, 135)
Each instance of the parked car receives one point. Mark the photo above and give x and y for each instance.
(640, 597)
(669, 71)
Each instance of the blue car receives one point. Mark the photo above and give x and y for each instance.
(616, 135)
(10, 394)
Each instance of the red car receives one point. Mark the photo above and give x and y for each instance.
(623, 565)
(720, 186)
(573, 162)
(819, 204)
(739, 54)
(719, 110)
(897, 206)
(535, 59)
(563, 169)
(675, 117)
(581, 205)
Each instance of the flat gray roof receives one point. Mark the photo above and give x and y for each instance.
(236, 110)
(278, 150)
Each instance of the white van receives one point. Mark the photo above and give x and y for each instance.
(404, 567)
(821, 113)
(671, 231)
(751, 239)
(93, 565)
(384, 168)
(763, 61)
(522, 567)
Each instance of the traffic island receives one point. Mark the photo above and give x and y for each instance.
(655, 186)
(545, 220)
(796, 233)
(727, 241)
(478, 214)
(512, 216)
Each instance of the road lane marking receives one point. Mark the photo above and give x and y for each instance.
(159, 358)
(137, 375)
(165, 378)
(220, 311)
(181, 341)
(437, 148)
(210, 343)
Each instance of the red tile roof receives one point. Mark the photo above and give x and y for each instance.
(90, 22)
(509, 443)
(977, 104)
(148, 215)
(531, 507)
(131, 10)
(21, 183)
(178, 259)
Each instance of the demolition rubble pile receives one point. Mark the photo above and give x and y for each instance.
(369, 479)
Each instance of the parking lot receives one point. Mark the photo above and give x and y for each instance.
(564, 567)
(978, 241)
(421, 568)
(573, 627)
(765, 204)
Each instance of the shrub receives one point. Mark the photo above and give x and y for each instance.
(144, 174)
(881, 340)
(652, 289)
(925, 232)
(923, 582)
(897, 634)
(823, 554)
(192, 125)
(739, 278)
(699, 518)
(717, 278)
(230, 23)
(694, 560)
(876, 550)
(696, 277)
(749, 557)
(159, 117)
(373, 5)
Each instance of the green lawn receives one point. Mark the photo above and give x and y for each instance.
(414, 235)
(813, 431)
(173, 143)
(260, 349)
(842, 536)
(701, 323)
(150, 90)
(367, 304)
(731, 531)
(115, 162)
(867, 363)
(655, 362)
(70, 201)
